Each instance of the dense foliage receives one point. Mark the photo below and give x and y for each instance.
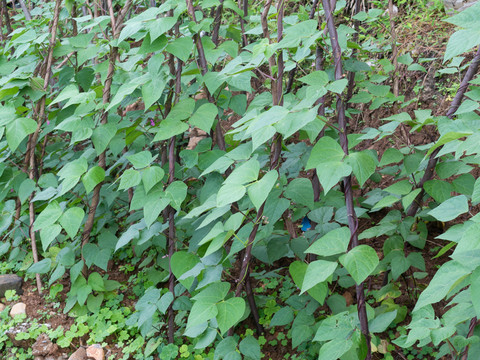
(207, 147)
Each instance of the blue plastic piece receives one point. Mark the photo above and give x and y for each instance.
(306, 224)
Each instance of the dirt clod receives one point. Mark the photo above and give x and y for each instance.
(44, 346)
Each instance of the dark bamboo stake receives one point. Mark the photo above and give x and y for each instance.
(243, 4)
(216, 22)
(202, 64)
(351, 74)
(432, 161)
(292, 73)
(30, 160)
(116, 24)
(74, 22)
(25, 10)
(471, 328)
(7, 17)
(244, 278)
(170, 211)
(2, 37)
(347, 181)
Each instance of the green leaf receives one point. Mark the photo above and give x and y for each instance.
(282, 317)
(82, 293)
(245, 173)
(297, 270)
(391, 156)
(408, 199)
(448, 137)
(213, 293)
(334, 349)
(337, 86)
(18, 130)
(300, 334)
(85, 77)
(182, 110)
(229, 313)
(259, 191)
(164, 302)
(48, 234)
(317, 271)
(200, 313)
(327, 157)
(92, 178)
(362, 97)
(124, 90)
(330, 173)
(300, 191)
(296, 120)
(204, 117)
(476, 192)
(94, 302)
(400, 188)
(475, 290)
(250, 348)
(444, 280)
(176, 192)
(25, 190)
(129, 178)
(360, 262)
(332, 243)
(169, 128)
(152, 90)
(71, 220)
(450, 209)
(89, 252)
(385, 202)
(153, 207)
(7, 114)
(161, 26)
(230, 193)
(127, 236)
(464, 184)
(468, 18)
(101, 259)
(41, 267)
(227, 349)
(102, 136)
(316, 78)
(362, 164)
(48, 216)
(382, 321)
(74, 169)
(141, 159)
(181, 47)
(182, 262)
(325, 150)
(96, 282)
(460, 42)
(151, 176)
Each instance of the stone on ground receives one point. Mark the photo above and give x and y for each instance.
(80, 354)
(44, 346)
(95, 352)
(10, 282)
(451, 6)
(18, 309)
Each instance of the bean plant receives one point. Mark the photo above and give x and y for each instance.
(203, 141)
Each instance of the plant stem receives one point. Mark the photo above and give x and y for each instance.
(202, 64)
(106, 99)
(347, 181)
(432, 161)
